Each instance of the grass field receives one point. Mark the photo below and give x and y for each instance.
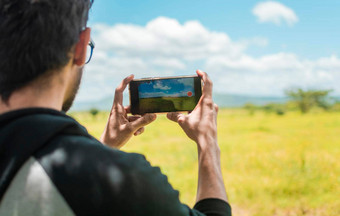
(272, 165)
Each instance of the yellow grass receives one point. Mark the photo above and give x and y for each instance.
(272, 165)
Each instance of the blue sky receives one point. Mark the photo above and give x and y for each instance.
(167, 88)
(247, 47)
(316, 34)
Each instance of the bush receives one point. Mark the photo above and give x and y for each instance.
(250, 107)
(94, 112)
(279, 109)
(336, 107)
(280, 112)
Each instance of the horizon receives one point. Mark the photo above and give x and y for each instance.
(222, 100)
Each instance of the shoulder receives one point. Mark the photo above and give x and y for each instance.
(83, 158)
(97, 180)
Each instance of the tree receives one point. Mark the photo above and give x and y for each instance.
(308, 99)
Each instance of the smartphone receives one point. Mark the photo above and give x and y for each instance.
(167, 94)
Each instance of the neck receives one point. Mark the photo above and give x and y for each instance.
(32, 96)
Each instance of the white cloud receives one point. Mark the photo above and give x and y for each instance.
(166, 37)
(164, 47)
(160, 86)
(169, 63)
(274, 12)
(272, 74)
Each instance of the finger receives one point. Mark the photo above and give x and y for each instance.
(139, 131)
(127, 109)
(208, 85)
(120, 89)
(216, 108)
(133, 118)
(173, 116)
(142, 121)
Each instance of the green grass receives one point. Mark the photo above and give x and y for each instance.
(272, 165)
(167, 104)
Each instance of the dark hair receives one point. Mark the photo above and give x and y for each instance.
(36, 37)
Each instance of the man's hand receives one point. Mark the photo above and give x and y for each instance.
(201, 126)
(201, 123)
(120, 127)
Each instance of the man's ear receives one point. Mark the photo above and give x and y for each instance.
(79, 57)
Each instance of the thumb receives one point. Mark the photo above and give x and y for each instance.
(142, 121)
(177, 117)
(173, 116)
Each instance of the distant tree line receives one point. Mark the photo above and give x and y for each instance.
(299, 99)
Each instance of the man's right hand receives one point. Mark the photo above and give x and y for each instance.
(201, 123)
(201, 126)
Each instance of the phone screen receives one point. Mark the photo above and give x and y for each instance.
(164, 94)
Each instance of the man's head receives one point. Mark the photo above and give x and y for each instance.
(37, 39)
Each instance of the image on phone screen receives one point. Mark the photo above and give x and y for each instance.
(165, 95)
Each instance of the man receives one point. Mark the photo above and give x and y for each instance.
(49, 164)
